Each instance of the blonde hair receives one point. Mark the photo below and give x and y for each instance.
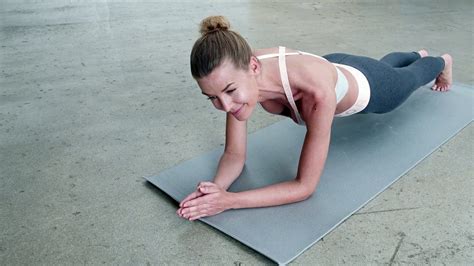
(218, 42)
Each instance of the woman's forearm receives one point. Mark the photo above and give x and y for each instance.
(229, 168)
(277, 194)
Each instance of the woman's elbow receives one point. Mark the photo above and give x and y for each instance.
(307, 192)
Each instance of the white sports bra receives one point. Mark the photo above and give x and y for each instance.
(341, 88)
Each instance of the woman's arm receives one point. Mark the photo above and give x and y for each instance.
(311, 163)
(214, 200)
(233, 159)
(229, 168)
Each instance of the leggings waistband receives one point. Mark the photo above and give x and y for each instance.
(363, 96)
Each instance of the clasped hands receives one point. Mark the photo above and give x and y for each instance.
(208, 199)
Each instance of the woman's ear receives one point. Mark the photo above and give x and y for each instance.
(254, 65)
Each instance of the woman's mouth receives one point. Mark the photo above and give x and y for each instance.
(238, 111)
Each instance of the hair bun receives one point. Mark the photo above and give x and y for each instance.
(213, 24)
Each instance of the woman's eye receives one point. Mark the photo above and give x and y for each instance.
(211, 98)
(229, 91)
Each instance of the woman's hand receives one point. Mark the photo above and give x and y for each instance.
(208, 199)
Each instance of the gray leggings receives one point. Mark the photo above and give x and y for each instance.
(393, 78)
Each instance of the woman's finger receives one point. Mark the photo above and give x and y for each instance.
(194, 202)
(197, 217)
(209, 211)
(209, 189)
(194, 215)
(191, 212)
(190, 197)
(205, 183)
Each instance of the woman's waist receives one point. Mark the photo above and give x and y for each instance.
(356, 81)
(358, 87)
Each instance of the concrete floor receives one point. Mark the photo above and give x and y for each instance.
(96, 94)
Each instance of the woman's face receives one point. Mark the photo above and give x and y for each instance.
(231, 89)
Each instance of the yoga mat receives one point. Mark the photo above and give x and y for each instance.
(368, 152)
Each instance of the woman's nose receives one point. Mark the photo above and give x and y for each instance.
(226, 105)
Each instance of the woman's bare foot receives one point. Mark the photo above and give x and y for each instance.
(423, 53)
(445, 78)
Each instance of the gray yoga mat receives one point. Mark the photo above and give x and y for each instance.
(368, 152)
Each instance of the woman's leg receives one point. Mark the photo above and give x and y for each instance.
(401, 59)
(423, 70)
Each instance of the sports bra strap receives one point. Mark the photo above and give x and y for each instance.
(286, 83)
(265, 56)
(275, 55)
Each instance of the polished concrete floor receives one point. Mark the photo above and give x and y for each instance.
(96, 94)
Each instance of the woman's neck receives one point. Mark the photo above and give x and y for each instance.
(269, 83)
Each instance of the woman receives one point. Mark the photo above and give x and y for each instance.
(307, 88)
